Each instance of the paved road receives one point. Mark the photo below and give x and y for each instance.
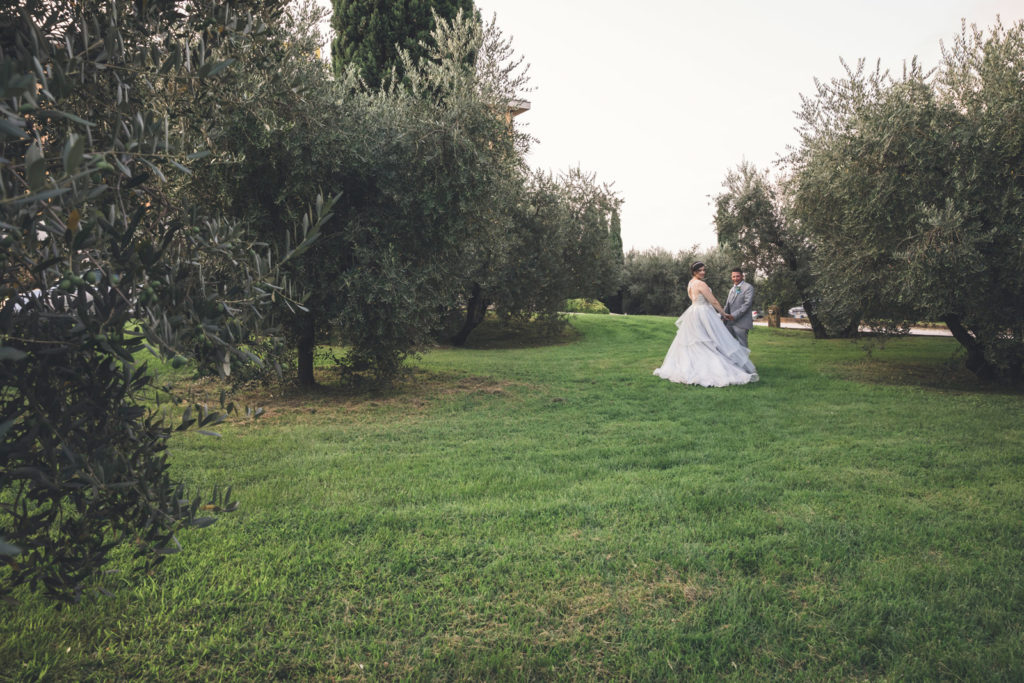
(795, 324)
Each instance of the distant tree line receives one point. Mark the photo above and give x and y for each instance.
(654, 280)
(903, 202)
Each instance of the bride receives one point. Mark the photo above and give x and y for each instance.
(703, 351)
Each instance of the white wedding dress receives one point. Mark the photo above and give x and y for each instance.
(704, 352)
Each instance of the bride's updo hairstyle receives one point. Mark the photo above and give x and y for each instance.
(696, 266)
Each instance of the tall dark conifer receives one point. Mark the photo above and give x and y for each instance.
(368, 33)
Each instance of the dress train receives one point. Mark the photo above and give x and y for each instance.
(704, 352)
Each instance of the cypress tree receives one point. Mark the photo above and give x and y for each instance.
(369, 33)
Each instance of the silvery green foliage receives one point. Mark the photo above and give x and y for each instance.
(556, 239)
(104, 108)
(910, 188)
(654, 281)
(752, 219)
(854, 191)
(533, 239)
(370, 36)
(415, 168)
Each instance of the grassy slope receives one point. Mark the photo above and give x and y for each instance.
(559, 512)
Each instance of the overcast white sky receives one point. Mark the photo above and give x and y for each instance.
(662, 97)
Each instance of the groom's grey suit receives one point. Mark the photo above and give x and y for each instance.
(739, 305)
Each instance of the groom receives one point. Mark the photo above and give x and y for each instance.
(737, 307)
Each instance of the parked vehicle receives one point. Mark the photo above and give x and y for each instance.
(756, 314)
(797, 312)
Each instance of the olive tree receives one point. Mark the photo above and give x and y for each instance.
(654, 282)
(858, 190)
(101, 257)
(964, 262)
(909, 187)
(557, 241)
(751, 219)
(593, 252)
(412, 171)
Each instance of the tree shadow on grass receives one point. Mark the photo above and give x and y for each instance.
(411, 392)
(496, 334)
(412, 388)
(950, 376)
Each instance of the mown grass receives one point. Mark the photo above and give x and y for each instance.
(556, 512)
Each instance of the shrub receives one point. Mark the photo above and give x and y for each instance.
(585, 306)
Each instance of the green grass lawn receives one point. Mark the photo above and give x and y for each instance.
(556, 512)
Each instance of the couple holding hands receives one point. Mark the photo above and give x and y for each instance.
(710, 348)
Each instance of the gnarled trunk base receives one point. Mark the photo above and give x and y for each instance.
(306, 344)
(476, 309)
